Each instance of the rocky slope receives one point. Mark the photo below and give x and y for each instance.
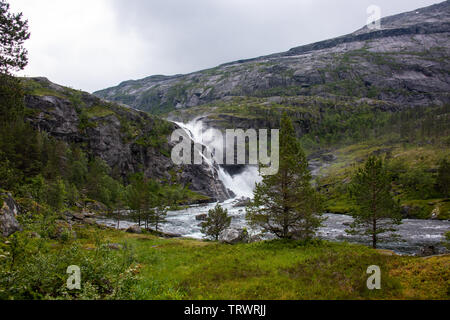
(128, 140)
(8, 215)
(402, 65)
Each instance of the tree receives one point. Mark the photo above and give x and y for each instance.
(285, 204)
(443, 178)
(376, 211)
(13, 34)
(216, 222)
(136, 195)
(159, 213)
(116, 200)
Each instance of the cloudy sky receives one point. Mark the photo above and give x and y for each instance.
(94, 44)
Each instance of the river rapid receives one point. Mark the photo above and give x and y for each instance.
(414, 234)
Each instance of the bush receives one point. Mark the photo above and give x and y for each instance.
(216, 222)
(33, 269)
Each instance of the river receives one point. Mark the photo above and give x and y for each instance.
(414, 234)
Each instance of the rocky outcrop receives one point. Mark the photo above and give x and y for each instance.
(402, 65)
(8, 214)
(134, 229)
(235, 236)
(128, 140)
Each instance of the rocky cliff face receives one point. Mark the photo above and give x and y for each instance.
(127, 140)
(402, 65)
(8, 214)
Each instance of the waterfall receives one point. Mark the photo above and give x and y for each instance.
(242, 184)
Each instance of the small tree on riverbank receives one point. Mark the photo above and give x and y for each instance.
(216, 222)
(286, 204)
(376, 211)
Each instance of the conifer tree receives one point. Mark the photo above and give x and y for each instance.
(376, 213)
(286, 204)
(216, 222)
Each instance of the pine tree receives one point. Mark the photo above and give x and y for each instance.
(376, 211)
(216, 222)
(285, 204)
(13, 33)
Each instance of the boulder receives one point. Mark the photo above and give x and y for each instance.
(243, 202)
(428, 251)
(8, 215)
(235, 236)
(201, 217)
(134, 229)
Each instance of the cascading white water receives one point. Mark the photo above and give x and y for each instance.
(242, 184)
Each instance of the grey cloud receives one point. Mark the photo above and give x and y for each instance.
(178, 36)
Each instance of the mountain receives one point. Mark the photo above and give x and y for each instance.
(128, 140)
(404, 64)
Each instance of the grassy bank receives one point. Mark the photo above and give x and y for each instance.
(116, 265)
(413, 167)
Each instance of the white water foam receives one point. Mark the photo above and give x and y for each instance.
(242, 184)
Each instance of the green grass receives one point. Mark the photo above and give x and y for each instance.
(98, 112)
(173, 269)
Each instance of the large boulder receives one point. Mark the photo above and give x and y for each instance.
(428, 251)
(243, 202)
(8, 215)
(134, 229)
(235, 236)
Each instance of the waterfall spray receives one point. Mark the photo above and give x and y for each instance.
(241, 184)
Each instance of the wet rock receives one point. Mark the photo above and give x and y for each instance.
(328, 157)
(428, 251)
(243, 202)
(134, 229)
(201, 217)
(8, 214)
(406, 211)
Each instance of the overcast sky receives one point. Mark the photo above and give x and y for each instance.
(94, 44)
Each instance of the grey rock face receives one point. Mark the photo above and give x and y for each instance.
(105, 136)
(8, 213)
(405, 64)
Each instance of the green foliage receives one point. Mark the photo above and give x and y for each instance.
(285, 204)
(34, 269)
(447, 240)
(11, 99)
(443, 178)
(418, 183)
(146, 198)
(376, 211)
(14, 33)
(216, 222)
